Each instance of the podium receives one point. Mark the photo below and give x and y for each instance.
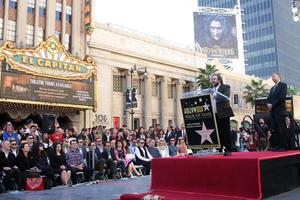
(200, 122)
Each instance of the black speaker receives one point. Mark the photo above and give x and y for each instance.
(48, 124)
(236, 99)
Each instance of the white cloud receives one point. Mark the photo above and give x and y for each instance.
(170, 19)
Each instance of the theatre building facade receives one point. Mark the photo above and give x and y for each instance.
(44, 67)
(159, 71)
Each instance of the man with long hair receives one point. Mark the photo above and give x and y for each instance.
(223, 111)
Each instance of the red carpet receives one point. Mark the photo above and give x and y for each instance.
(171, 195)
(210, 177)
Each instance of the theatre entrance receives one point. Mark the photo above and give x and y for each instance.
(64, 122)
(19, 118)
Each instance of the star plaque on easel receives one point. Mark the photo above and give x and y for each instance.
(200, 122)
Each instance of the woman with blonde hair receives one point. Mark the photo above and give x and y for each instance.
(9, 132)
(163, 148)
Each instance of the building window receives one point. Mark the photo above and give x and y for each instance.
(31, 5)
(136, 83)
(13, 4)
(170, 91)
(154, 122)
(69, 14)
(58, 12)
(1, 28)
(240, 102)
(29, 35)
(41, 35)
(58, 35)
(67, 42)
(186, 88)
(154, 89)
(11, 30)
(42, 9)
(117, 83)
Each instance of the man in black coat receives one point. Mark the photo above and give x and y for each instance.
(109, 155)
(8, 166)
(276, 105)
(220, 101)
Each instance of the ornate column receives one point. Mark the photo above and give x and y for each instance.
(50, 18)
(127, 114)
(148, 101)
(164, 102)
(178, 114)
(21, 27)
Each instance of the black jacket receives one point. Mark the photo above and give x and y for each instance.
(10, 161)
(223, 105)
(105, 154)
(57, 160)
(24, 163)
(277, 97)
(41, 161)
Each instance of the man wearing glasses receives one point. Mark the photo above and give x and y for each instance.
(143, 157)
(30, 140)
(14, 147)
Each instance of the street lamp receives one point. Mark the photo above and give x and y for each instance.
(132, 71)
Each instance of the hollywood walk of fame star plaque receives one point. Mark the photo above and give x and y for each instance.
(200, 122)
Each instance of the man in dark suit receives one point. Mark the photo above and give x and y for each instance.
(170, 134)
(276, 105)
(220, 101)
(109, 155)
(181, 133)
(107, 137)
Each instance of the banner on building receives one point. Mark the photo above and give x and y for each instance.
(131, 101)
(200, 122)
(216, 34)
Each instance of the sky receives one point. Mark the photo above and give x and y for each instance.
(171, 20)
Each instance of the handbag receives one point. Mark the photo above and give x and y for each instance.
(34, 184)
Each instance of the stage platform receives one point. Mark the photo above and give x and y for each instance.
(244, 175)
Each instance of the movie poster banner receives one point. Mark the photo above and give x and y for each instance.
(131, 101)
(200, 122)
(34, 88)
(216, 34)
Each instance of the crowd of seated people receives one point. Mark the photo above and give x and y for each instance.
(59, 157)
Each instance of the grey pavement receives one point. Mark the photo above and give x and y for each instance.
(107, 190)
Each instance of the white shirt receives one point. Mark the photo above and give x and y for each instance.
(164, 153)
(14, 151)
(138, 154)
(214, 101)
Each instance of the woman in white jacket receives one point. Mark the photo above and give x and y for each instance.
(163, 148)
